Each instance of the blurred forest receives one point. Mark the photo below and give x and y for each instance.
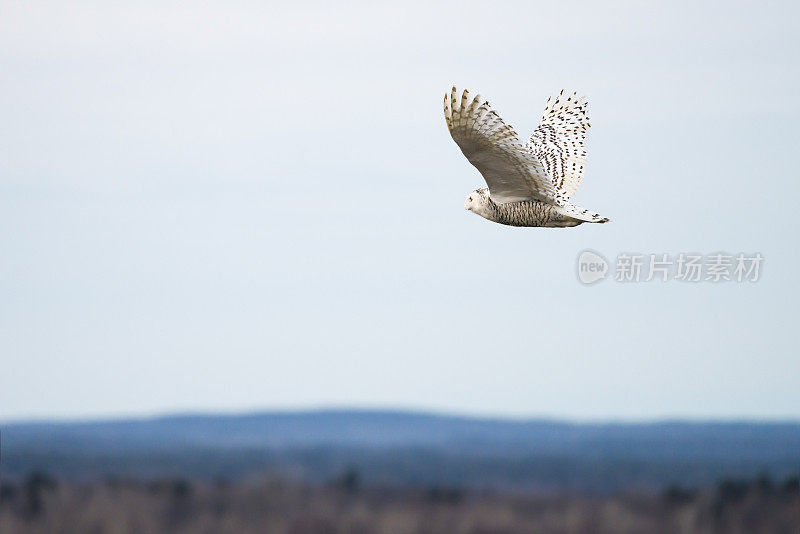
(408, 449)
(397, 472)
(39, 503)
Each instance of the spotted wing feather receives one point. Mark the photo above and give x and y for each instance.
(510, 169)
(559, 142)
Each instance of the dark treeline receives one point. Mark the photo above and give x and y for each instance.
(585, 472)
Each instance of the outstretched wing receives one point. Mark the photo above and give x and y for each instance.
(510, 169)
(559, 142)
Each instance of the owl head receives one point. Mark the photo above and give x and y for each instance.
(478, 202)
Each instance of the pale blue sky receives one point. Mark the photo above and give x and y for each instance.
(247, 205)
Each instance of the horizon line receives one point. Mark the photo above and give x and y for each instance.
(398, 410)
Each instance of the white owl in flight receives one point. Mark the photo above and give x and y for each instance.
(529, 185)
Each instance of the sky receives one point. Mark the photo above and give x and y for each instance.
(236, 206)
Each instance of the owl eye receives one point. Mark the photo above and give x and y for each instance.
(470, 199)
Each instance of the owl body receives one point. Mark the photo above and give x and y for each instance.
(530, 213)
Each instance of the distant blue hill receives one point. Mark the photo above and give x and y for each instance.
(392, 447)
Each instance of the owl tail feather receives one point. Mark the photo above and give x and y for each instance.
(576, 212)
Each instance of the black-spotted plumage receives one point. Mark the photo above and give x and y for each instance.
(559, 141)
(529, 185)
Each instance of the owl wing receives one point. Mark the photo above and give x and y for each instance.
(559, 142)
(510, 169)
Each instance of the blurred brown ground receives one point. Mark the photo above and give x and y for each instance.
(43, 505)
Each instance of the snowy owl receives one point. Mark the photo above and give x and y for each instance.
(529, 185)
